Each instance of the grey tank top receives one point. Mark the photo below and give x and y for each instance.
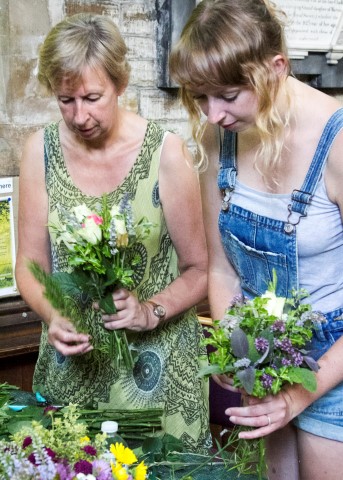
(319, 240)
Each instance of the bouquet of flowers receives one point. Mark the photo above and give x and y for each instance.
(261, 343)
(65, 452)
(102, 254)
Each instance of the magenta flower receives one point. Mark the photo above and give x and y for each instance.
(32, 458)
(90, 450)
(50, 452)
(26, 442)
(83, 466)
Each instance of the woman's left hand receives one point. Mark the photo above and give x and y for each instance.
(265, 414)
(131, 314)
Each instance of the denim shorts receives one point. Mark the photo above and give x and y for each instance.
(325, 416)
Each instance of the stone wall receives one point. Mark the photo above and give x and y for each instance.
(24, 106)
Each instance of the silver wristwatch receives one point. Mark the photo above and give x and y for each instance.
(158, 310)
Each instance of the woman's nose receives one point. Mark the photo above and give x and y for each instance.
(80, 113)
(215, 111)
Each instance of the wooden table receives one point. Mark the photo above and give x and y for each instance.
(20, 331)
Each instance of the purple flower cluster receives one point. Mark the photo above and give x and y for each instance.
(266, 380)
(295, 358)
(278, 326)
(97, 467)
(238, 301)
(261, 344)
(285, 345)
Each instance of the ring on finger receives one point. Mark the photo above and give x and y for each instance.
(269, 420)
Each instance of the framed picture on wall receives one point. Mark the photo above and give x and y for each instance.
(7, 241)
(171, 18)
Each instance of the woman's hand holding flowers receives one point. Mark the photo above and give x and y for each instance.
(63, 336)
(264, 414)
(131, 314)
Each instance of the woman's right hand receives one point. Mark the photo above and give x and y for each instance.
(63, 336)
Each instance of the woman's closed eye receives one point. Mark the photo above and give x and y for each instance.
(229, 98)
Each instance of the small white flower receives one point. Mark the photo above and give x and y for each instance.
(81, 212)
(229, 321)
(275, 304)
(115, 211)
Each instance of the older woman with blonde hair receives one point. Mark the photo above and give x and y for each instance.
(99, 147)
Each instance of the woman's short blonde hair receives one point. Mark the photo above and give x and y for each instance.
(231, 43)
(79, 41)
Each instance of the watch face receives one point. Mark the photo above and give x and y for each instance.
(159, 311)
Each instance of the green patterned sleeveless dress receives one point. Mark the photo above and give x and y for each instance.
(164, 375)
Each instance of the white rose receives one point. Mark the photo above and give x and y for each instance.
(90, 230)
(275, 304)
(81, 212)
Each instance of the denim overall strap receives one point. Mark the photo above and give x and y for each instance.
(227, 174)
(301, 198)
(255, 245)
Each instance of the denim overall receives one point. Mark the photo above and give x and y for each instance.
(255, 245)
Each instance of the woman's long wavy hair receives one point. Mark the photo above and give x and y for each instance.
(83, 40)
(231, 43)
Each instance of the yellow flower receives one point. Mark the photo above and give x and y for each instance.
(84, 440)
(119, 472)
(140, 471)
(123, 454)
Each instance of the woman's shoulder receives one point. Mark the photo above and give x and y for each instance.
(34, 142)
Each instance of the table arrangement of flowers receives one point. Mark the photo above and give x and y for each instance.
(261, 343)
(66, 452)
(38, 441)
(42, 442)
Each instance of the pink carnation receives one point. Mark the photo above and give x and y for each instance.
(96, 219)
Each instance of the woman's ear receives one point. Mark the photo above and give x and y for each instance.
(279, 63)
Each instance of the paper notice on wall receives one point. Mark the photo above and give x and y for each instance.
(312, 24)
(7, 239)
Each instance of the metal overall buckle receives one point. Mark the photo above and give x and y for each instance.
(289, 226)
(226, 193)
